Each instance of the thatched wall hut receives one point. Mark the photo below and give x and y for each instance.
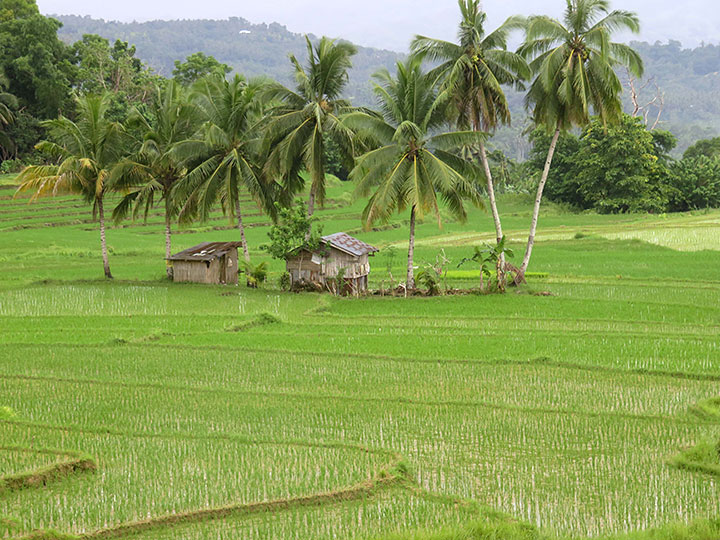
(209, 262)
(338, 253)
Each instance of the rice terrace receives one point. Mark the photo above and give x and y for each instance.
(368, 351)
(577, 413)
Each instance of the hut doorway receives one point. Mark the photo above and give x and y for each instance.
(223, 270)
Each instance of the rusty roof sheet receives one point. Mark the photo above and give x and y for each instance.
(348, 244)
(207, 251)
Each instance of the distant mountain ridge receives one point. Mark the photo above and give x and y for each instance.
(688, 79)
(250, 49)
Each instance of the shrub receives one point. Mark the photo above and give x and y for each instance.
(11, 166)
(695, 183)
(290, 233)
(429, 280)
(284, 281)
(257, 274)
(339, 281)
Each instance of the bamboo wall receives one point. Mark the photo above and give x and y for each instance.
(223, 270)
(302, 267)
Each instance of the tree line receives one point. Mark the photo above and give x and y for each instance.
(251, 49)
(624, 167)
(202, 140)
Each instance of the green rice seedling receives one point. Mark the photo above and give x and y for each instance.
(226, 412)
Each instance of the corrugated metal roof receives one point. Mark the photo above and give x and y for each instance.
(348, 244)
(207, 251)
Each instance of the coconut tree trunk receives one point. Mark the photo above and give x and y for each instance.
(241, 228)
(168, 237)
(538, 200)
(491, 193)
(410, 282)
(311, 210)
(311, 202)
(494, 208)
(103, 242)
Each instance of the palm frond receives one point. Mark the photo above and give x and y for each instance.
(457, 139)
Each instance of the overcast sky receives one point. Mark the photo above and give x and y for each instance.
(390, 24)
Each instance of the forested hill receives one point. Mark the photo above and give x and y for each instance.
(251, 49)
(688, 78)
(684, 83)
(690, 81)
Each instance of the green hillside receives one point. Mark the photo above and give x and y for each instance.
(262, 51)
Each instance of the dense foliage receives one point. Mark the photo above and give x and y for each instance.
(37, 64)
(289, 234)
(196, 66)
(705, 147)
(8, 106)
(626, 168)
(610, 169)
(115, 70)
(617, 169)
(695, 184)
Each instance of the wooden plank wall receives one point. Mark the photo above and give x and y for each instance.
(212, 273)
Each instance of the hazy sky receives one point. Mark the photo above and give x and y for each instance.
(391, 23)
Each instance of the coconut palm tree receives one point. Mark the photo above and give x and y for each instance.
(575, 63)
(86, 151)
(410, 167)
(151, 173)
(223, 157)
(475, 70)
(295, 134)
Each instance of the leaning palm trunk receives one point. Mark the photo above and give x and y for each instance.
(538, 200)
(491, 193)
(311, 202)
(168, 238)
(103, 242)
(493, 207)
(410, 282)
(241, 228)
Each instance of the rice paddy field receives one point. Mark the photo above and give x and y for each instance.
(583, 405)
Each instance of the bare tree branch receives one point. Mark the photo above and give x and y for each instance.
(643, 109)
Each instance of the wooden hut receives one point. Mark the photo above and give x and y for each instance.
(321, 267)
(209, 262)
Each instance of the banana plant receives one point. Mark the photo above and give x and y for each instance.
(488, 259)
